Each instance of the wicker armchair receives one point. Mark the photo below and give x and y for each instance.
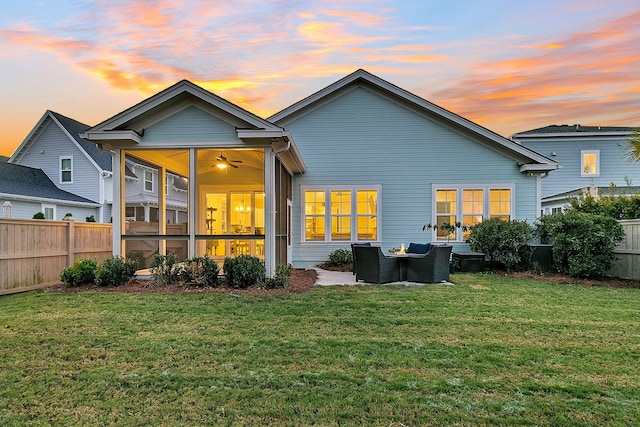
(373, 266)
(431, 268)
(354, 255)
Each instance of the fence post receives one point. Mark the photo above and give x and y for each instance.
(71, 240)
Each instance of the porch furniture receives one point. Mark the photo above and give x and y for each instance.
(468, 262)
(373, 266)
(430, 268)
(418, 248)
(353, 254)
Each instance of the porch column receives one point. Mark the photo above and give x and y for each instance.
(117, 215)
(269, 212)
(191, 203)
(162, 207)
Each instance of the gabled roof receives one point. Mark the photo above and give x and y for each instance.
(18, 180)
(72, 128)
(120, 122)
(576, 130)
(528, 160)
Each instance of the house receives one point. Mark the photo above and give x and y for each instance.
(78, 166)
(360, 160)
(25, 191)
(72, 164)
(591, 158)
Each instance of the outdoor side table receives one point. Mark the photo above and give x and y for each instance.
(468, 262)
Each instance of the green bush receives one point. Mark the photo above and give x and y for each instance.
(82, 272)
(199, 271)
(115, 271)
(281, 278)
(164, 268)
(340, 257)
(618, 206)
(583, 243)
(90, 218)
(38, 215)
(244, 271)
(503, 241)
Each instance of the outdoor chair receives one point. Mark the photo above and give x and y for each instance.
(353, 254)
(373, 266)
(430, 268)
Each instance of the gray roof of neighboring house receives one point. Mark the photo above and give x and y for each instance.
(576, 129)
(25, 181)
(75, 128)
(604, 191)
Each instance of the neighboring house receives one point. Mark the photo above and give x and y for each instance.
(28, 191)
(80, 167)
(591, 158)
(72, 164)
(359, 161)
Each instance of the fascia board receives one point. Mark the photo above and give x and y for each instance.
(46, 200)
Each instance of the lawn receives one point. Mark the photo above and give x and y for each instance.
(490, 350)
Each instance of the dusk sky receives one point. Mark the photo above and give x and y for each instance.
(507, 65)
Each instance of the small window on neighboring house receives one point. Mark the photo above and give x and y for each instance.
(590, 164)
(148, 181)
(66, 169)
(49, 211)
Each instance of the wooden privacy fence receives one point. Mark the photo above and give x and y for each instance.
(34, 252)
(627, 262)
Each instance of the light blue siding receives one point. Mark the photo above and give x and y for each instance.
(45, 152)
(613, 163)
(192, 125)
(364, 138)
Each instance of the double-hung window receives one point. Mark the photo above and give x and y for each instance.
(148, 181)
(469, 205)
(66, 169)
(340, 214)
(590, 163)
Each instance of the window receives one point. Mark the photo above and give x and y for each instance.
(340, 214)
(66, 169)
(49, 211)
(148, 181)
(469, 205)
(590, 164)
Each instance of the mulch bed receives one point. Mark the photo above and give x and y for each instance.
(301, 280)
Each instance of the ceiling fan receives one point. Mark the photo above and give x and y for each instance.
(223, 163)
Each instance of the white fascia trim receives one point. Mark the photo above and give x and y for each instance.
(570, 135)
(262, 133)
(112, 135)
(45, 200)
(539, 167)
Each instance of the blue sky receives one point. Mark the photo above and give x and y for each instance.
(507, 65)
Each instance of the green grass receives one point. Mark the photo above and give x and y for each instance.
(490, 350)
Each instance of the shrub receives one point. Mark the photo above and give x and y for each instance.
(38, 215)
(90, 218)
(583, 243)
(340, 257)
(164, 268)
(616, 206)
(82, 271)
(503, 241)
(199, 271)
(116, 271)
(243, 271)
(281, 278)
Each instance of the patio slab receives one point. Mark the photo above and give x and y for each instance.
(333, 278)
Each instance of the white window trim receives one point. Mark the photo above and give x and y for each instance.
(471, 186)
(582, 153)
(354, 212)
(53, 207)
(144, 181)
(60, 159)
